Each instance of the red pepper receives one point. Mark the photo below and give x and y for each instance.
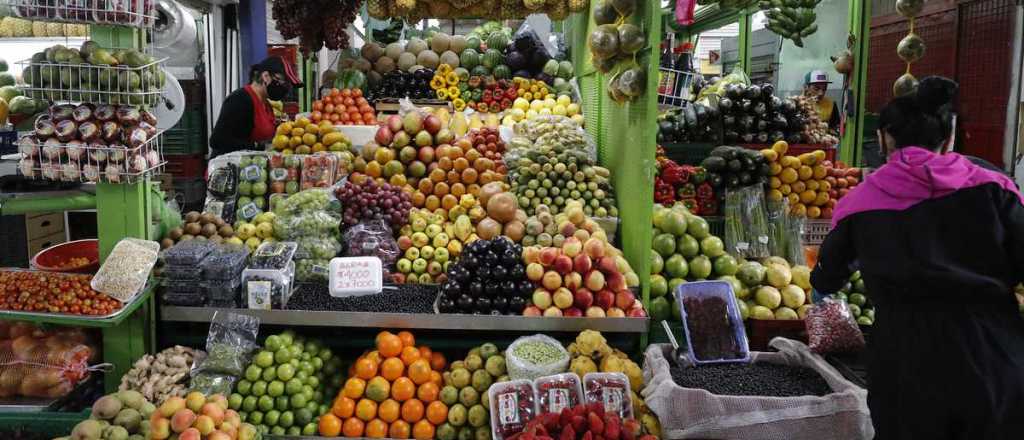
(487, 95)
(705, 191)
(506, 103)
(512, 93)
(691, 204)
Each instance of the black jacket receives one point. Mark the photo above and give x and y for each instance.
(231, 132)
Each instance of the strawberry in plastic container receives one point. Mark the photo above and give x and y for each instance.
(557, 392)
(610, 390)
(513, 405)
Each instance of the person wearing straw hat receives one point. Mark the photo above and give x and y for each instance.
(246, 117)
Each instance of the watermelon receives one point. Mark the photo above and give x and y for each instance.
(497, 41)
(3, 65)
(502, 71)
(480, 71)
(350, 79)
(469, 58)
(491, 58)
(472, 42)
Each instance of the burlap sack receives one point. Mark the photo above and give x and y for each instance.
(688, 413)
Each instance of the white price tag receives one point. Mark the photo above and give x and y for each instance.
(355, 276)
(259, 294)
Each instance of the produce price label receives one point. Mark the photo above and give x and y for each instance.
(259, 294)
(508, 408)
(611, 397)
(558, 399)
(252, 173)
(354, 276)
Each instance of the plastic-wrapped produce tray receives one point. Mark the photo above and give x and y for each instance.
(184, 273)
(225, 263)
(184, 299)
(222, 291)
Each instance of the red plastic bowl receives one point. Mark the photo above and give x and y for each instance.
(51, 258)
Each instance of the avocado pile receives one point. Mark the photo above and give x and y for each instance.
(93, 73)
(735, 167)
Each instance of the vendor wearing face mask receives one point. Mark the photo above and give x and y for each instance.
(815, 85)
(246, 117)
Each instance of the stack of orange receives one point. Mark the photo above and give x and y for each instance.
(344, 107)
(391, 392)
(436, 178)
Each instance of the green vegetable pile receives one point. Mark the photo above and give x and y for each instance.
(792, 19)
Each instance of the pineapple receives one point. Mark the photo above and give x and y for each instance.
(54, 30)
(579, 5)
(404, 7)
(533, 4)
(38, 29)
(511, 9)
(559, 12)
(377, 8)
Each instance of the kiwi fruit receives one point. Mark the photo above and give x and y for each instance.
(201, 238)
(226, 231)
(175, 233)
(186, 237)
(217, 239)
(193, 229)
(209, 230)
(166, 243)
(219, 222)
(192, 217)
(206, 218)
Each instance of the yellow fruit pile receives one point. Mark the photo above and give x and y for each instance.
(304, 137)
(801, 179)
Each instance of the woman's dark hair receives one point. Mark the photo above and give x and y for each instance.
(922, 119)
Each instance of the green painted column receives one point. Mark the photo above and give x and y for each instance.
(860, 27)
(745, 38)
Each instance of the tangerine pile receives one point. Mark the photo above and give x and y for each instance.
(391, 392)
(344, 107)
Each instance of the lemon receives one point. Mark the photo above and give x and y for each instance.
(280, 142)
(775, 195)
(785, 189)
(819, 171)
(572, 109)
(813, 212)
(805, 172)
(775, 168)
(807, 196)
(563, 100)
(774, 182)
(559, 110)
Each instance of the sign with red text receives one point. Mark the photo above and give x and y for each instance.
(355, 276)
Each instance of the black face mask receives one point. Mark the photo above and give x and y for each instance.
(277, 90)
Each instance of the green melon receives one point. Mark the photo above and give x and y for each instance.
(473, 42)
(502, 71)
(469, 59)
(497, 41)
(480, 71)
(491, 58)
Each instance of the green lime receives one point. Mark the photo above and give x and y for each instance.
(276, 388)
(264, 359)
(253, 373)
(265, 403)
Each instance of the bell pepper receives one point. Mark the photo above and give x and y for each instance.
(453, 91)
(690, 204)
(482, 107)
(444, 69)
(442, 94)
(466, 95)
(506, 103)
(700, 175)
(705, 191)
(478, 95)
(474, 82)
(451, 78)
(528, 96)
(708, 207)
(463, 87)
(437, 82)
(487, 95)
(459, 104)
(490, 82)
(687, 191)
(511, 93)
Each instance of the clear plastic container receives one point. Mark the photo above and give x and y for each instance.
(557, 392)
(712, 323)
(125, 271)
(184, 273)
(196, 299)
(273, 255)
(224, 263)
(318, 170)
(189, 252)
(180, 286)
(221, 290)
(519, 368)
(267, 289)
(610, 390)
(513, 404)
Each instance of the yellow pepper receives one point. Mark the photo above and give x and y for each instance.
(528, 96)
(451, 78)
(520, 92)
(444, 69)
(453, 91)
(459, 104)
(442, 93)
(437, 82)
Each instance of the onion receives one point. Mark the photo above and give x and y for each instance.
(27, 166)
(52, 149)
(113, 173)
(75, 150)
(70, 172)
(91, 173)
(28, 146)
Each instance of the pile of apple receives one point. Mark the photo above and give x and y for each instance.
(256, 232)
(581, 278)
(428, 243)
(198, 417)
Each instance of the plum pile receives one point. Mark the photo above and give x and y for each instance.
(756, 379)
(489, 278)
(406, 299)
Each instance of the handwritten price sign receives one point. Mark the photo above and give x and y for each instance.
(355, 276)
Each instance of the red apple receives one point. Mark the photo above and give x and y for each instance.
(394, 124)
(605, 299)
(636, 312)
(531, 311)
(624, 299)
(581, 263)
(572, 312)
(583, 299)
(606, 265)
(616, 282)
(383, 136)
(563, 264)
(426, 154)
(594, 280)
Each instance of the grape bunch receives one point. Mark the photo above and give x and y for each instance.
(369, 200)
(316, 23)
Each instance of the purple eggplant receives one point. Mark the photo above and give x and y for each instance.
(116, 153)
(91, 173)
(148, 128)
(51, 171)
(138, 164)
(153, 157)
(113, 173)
(70, 172)
(98, 152)
(28, 167)
(148, 118)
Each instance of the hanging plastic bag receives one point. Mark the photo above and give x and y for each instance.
(528, 42)
(684, 12)
(831, 328)
(229, 344)
(531, 357)
(373, 238)
(126, 269)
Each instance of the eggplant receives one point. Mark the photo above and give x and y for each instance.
(774, 103)
(730, 136)
(734, 92)
(768, 90)
(88, 131)
(794, 138)
(762, 137)
(745, 178)
(728, 120)
(715, 179)
(44, 127)
(746, 106)
(735, 165)
(753, 92)
(732, 181)
(725, 104)
(761, 124)
(777, 135)
(701, 113)
(789, 107)
(748, 138)
(690, 115)
(110, 131)
(128, 115)
(747, 123)
(760, 109)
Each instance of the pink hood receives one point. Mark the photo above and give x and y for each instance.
(913, 175)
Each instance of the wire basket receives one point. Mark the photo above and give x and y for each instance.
(77, 161)
(55, 79)
(135, 13)
(675, 86)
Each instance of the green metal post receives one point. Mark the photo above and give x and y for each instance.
(744, 41)
(860, 27)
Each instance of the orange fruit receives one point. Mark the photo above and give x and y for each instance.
(428, 392)
(412, 411)
(352, 428)
(389, 410)
(419, 371)
(407, 338)
(399, 429)
(343, 407)
(445, 164)
(366, 368)
(392, 368)
(373, 356)
(425, 186)
(460, 164)
(425, 352)
(376, 429)
(437, 361)
(403, 389)
(472, 155)
(436, 378)
(453, 177)
(437, 413)
(381, 335)
(432, 202)
(437, 175)
(366, 410)
(354, 388)
(410, 354)
(389, 345)
(447, 203)
(329, 426)
(441, 189)
(423, 430)
(378, 389)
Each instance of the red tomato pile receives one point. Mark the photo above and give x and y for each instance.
(344, 107)
(31, 291)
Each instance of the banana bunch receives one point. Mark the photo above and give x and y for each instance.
(792, 19)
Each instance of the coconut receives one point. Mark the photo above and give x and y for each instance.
(415, 46)
(604, 41)
(604, 13)
(428, 59)
(440, 42)
(502, 207)
(490, 190)
(457, 44)
(405, 61)
(384, 65)
(631, 38)
(373, 78)
(488, 228)
(414, 68)
(450, 58)
(362, 65)
(623, 7)
(632, 82)
(371, 51)
(394, 50)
